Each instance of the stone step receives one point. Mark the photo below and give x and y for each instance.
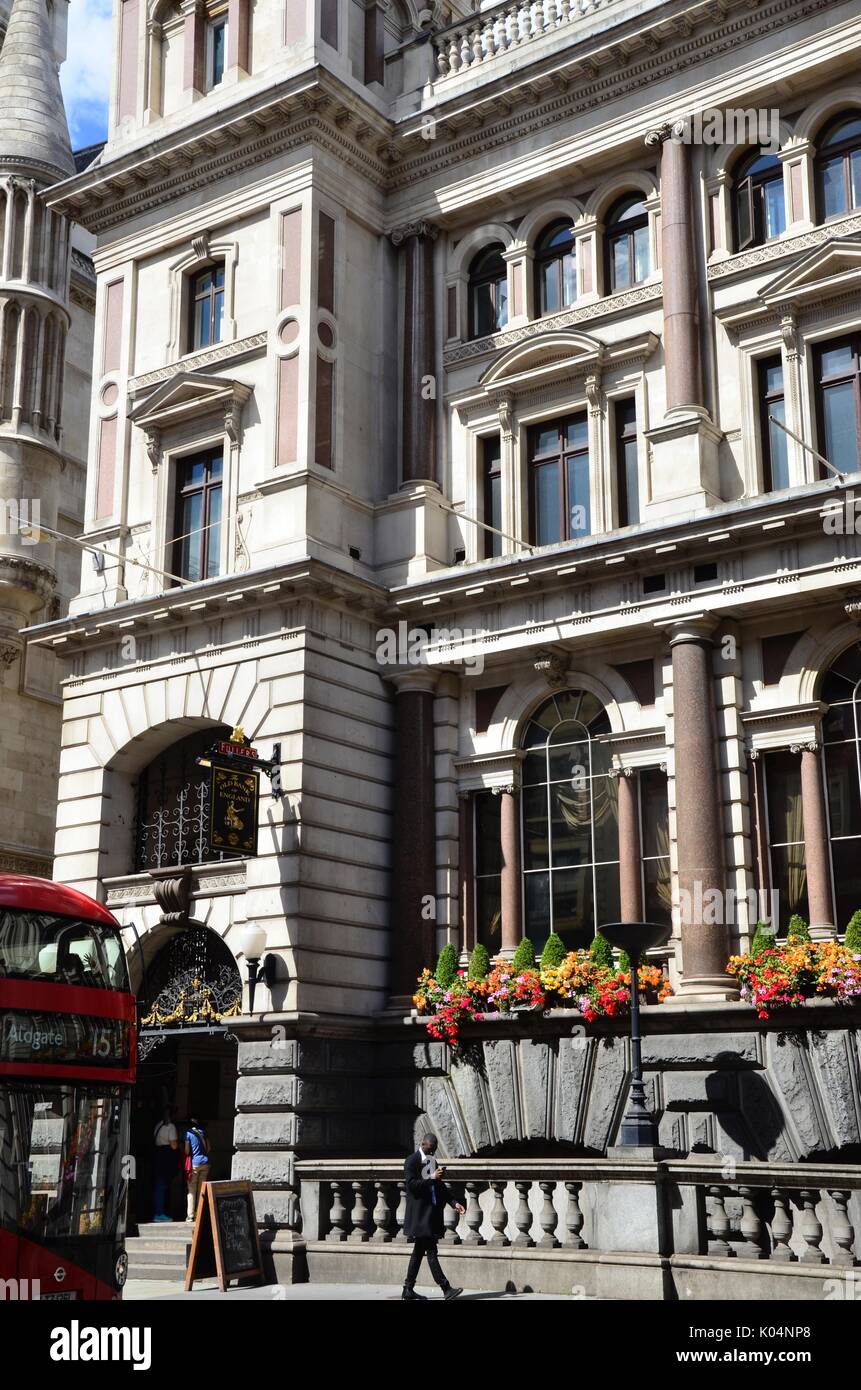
(145, 1255)
(164, 1230)
(169, 1272)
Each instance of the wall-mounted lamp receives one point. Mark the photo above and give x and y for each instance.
(251, 941)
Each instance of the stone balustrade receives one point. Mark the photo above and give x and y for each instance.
(502, 30)
(604, 1226)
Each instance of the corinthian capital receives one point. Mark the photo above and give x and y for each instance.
(413, 229)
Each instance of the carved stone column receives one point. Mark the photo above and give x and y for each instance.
(419, 396)
(414, 834)
(681, 333)
(816, 857)
(510, 883)
(684, 446)
(630, 861)
(699, 812)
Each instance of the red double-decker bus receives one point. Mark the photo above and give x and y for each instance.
(67, 1065)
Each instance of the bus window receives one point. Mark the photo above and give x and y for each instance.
(42, 946)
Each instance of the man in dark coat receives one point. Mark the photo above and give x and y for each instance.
(427, 1197)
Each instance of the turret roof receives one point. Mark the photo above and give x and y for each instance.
(34, 136)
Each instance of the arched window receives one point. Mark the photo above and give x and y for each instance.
(838, 165)
(488, 292)
(555, 269)
(206, 306)
(570, 820)
(758, 204)
(627, 243)
(173, 806)
(841, 736)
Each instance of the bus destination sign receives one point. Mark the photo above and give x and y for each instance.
(70, 1038)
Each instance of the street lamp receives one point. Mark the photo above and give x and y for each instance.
(639, 1129)
(250, 942)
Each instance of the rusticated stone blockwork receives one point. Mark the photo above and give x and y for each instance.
(730, 1086)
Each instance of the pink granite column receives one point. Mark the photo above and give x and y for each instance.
(759, 831)
(419, 402)
(630, 859)
(816, 856)
(413, 943)
(678, 268)
(510, 888)
(699, 812)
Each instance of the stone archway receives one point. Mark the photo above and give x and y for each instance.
(188, 994)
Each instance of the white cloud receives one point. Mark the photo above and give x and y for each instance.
(86, 74)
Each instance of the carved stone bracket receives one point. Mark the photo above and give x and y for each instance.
(153, 446)
(172, 891)
(552, 666)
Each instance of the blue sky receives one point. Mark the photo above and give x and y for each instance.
(86, 74)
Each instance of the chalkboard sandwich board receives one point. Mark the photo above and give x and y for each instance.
(225, 1240)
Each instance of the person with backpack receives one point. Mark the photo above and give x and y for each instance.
(197, 1150)
(166, 1141)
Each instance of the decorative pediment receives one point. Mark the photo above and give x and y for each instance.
(559, 355)
(189, 396)
(831, 269)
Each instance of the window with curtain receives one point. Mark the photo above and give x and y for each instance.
(555, 269)
(655, 845)
(786, 833)
(838, 403)
(627, 468)
(841, 737)
(627, 243)
(488, 870)
(758, 203)
(569, 810)
(491, 458)
(774, 440)
(488, 293)
(838, 165)
(559, 480)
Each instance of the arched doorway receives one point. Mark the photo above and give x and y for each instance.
(186, 1054)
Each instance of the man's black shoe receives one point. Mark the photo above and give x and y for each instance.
(452, 1293)
(411, 1294)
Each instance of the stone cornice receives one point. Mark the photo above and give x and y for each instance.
(197, 361)
(311, 579)
(312, 106)
(621, 302)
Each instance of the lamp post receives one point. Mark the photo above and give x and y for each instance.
(250, 941)
(639, 1129)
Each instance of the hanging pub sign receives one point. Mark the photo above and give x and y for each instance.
(234, 796)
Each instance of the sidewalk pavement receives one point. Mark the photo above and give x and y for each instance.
(147, 1289)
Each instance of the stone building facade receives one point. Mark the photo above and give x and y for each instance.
(47, 306)
(442, 366)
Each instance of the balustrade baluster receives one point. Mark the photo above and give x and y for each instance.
(573, 9)
(549, 1218)
(574, 1217)
(401, 1214)
(811, 1228)
(475, 44)
(514, 16)
(451, 1219)
(538, 18)
(474, 1215)
(382, 1215)
(502, 41)
(454, 62)
(465, 50)
(442, 63)
(750, 1226)
(523, 1216)
(718, 1223)
(841, 1231)
(498, 1216)
(781, 1226)
(338, 1214)
(359, 1216)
